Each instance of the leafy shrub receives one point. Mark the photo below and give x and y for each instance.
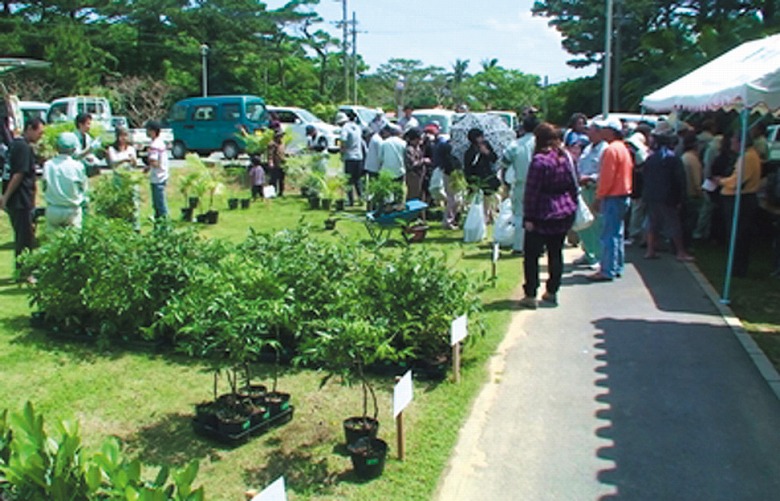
(117, 196)
(109, 281)
(38, 466)
(229, 302)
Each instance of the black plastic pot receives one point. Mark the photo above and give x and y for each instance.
(325, 203)
(186, 214)
(277, 402)
(339, 204)
(206, 415)
(232, 203)
(358, 427)
(193, 201)
(201, 218)
(330, 224)
(245, 203)
(254, 392)
(212, 217)
(314, 203)
(368, 457)
(233, 426)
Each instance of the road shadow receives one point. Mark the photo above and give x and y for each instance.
(687, 414)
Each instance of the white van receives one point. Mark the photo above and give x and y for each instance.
(65, 109)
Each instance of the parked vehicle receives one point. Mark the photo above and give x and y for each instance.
(364, 114)
(215, 123)
(138, 137)
(509, 117)
(445, 118)
(632, 119)
(65, 109)
(296, 120)
(33, 109)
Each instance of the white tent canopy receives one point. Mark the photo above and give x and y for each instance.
(748, 75)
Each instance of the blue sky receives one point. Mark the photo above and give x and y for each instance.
(437, 32)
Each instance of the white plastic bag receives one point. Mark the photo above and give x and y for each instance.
(504, 228)
(436, 186)
(583, 218)
(269, 191)
(474, 228)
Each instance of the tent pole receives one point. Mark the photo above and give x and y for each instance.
(737, 199)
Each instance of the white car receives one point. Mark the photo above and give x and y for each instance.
(296, 120)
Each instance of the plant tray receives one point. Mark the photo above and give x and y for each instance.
(209, 431)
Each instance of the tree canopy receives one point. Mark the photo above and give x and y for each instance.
(144, 54)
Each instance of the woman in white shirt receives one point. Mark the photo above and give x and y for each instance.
(122, 153)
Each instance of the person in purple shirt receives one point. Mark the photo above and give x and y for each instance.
(549, 206)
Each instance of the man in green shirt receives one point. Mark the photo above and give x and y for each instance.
(64, 185)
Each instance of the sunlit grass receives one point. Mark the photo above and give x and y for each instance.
(146, 398)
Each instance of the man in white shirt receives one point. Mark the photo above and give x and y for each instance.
(407, 121)
(372, 164)
(157, 166)
(391, 154)
(352, 154)
(64, 185)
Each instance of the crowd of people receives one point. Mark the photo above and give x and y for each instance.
(667, 183)
(655, 185)
(65, 179)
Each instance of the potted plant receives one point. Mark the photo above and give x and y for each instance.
(344, 345)
(332, 191)
(415, 231)
(385, 193)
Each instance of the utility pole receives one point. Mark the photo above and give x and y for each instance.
(354, 59)
(618, 56)
(345, 47)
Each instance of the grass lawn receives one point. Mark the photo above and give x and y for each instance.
(755, 299)
(146, 398)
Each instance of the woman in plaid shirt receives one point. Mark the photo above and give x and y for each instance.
(549, 206)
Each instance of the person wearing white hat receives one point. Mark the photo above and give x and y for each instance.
(612, 192)
(588, 167)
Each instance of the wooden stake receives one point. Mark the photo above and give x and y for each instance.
(456, 361)
(399, 430)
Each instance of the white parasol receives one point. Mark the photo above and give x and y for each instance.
(496, 132)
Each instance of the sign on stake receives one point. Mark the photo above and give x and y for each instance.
(458, 332)
(402, 397)
(274, 492)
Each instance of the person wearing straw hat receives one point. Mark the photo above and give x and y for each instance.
(64, 185)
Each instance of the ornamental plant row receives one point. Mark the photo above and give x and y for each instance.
(274, 291)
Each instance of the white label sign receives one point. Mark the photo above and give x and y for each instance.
(402, 394)
(274, 492)
(458, 330)
(495, 252)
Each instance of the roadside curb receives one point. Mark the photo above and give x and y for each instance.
(760, 360)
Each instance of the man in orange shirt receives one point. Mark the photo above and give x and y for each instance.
(614, 187)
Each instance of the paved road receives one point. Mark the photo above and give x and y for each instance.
(631, 390)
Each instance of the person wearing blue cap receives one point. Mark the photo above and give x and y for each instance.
(64, 185)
